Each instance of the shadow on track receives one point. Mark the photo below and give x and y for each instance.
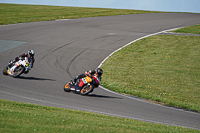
(101, 96)
(33, 78)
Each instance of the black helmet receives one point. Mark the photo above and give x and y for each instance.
(99, 71)
(31, 53)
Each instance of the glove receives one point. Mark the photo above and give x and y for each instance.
(16, 58)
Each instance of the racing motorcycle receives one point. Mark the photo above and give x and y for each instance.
(89, 84)
(19, 67)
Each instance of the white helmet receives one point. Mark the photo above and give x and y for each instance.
(31, 53)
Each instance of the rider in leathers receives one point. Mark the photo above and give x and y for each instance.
(98, 72)
(29, 54)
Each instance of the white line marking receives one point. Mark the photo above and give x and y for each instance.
(135, 41)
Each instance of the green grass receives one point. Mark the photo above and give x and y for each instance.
(195, 29)
(14, 13)
(163, 68)
(21, 117)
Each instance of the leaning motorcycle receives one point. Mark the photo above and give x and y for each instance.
(19, 67)
(89, 84)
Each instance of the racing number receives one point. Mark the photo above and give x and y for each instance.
(27, 64)
(87, 80)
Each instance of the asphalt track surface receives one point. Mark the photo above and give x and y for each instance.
(67, 48)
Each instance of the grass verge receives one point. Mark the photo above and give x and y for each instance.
(195, 29)
(163, 68)
(16, 13)
(22, 117)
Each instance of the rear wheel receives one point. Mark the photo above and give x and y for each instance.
(18, 71)
(67, 87)
(87, 89)
(5, 71)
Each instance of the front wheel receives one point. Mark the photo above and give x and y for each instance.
(87, 89)
(18, 71)
(67, 87)
(5, 71)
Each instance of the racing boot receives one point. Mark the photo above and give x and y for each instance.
(26, 72)
(77, 89)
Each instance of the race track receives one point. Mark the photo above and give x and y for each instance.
(67, 48)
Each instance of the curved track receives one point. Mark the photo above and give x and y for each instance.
(67, 48)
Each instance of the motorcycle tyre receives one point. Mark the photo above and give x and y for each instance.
(67, 87)
(18, 74)
(88, 91)
(5, 71)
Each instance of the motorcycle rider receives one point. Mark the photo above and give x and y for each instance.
(29, 54)
(98, 72)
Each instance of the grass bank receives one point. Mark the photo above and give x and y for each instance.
(22, 117)
(163, 68)
(15, 13)
(194, 29)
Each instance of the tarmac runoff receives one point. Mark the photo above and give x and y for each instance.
(7, 44)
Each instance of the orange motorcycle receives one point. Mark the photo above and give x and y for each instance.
(88, 83)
